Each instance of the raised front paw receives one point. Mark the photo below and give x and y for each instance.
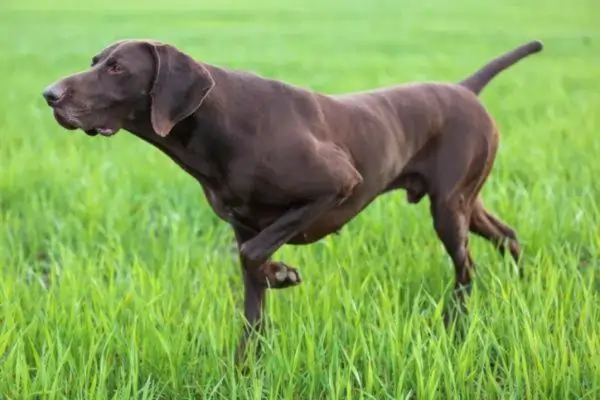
(277, 275)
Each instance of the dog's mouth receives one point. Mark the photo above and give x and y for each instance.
(70, 124)
(102, 131)
(63, 121)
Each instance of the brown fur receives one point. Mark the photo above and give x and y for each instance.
(285, 165)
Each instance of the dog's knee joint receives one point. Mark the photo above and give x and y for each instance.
(250, 252)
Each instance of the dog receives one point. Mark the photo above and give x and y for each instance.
(286, 165)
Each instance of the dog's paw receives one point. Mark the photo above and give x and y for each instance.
(278, 275)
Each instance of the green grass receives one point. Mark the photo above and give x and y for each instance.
(118, 282)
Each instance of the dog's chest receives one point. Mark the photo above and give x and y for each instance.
(231, 209)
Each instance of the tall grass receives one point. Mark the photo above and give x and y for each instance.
(118, 282)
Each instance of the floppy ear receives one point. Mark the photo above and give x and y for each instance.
(180, 87)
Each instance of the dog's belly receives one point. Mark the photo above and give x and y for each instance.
(332, 221)
(324, 226)
(258, 218)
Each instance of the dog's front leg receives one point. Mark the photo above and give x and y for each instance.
(254, 297)
(254, 293)
(256, 252)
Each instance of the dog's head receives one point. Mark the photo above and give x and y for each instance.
(125, 77)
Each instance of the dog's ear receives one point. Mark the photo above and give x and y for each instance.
(180, 86)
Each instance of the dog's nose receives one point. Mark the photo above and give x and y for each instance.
(53, 94)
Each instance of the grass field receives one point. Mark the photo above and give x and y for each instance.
(119, 283)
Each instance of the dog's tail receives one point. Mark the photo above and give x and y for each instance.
(481, 78)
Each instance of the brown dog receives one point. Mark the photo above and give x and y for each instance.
(285, 165)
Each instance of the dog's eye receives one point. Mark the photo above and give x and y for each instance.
(115, 68)
(94, 61)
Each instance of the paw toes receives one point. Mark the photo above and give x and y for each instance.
(281, 275)
(293, 276)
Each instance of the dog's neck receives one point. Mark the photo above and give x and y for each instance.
(199, 144)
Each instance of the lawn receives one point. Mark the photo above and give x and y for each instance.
(118, 282)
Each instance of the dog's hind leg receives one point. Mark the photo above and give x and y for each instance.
(460, 168)
(451, 223)
(491, 228)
